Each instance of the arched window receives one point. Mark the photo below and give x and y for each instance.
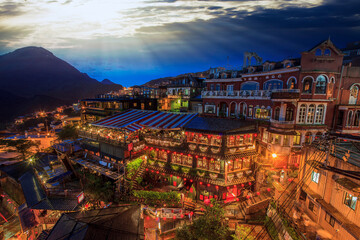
(302, 113)
(327, 52)
(319, 114)
(250, 86)
(357, 118)
(349, 118)
(273, 84)
(289, 116)
(291, 83)
(320, 84)
(354, 93)
(308, 137)
(217, 87)
(318, 52)
(310, 114)
(307, 85)
(277, 114)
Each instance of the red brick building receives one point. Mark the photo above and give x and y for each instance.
(294, 101)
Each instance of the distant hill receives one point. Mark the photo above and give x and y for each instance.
(107, 81)
(32, 77)
(166, 80)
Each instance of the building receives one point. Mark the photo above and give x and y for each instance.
(181, 92)
(294, 101)
(97, 108)
(331, 189)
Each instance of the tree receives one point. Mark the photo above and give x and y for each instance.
(206, 227)
(68, 132)
(21, 146)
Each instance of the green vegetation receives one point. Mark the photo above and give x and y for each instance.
(132, 167)
(290, 230)
(152, 197)
(271, 228)
(209, 226)
(21, 146)
(99, 189)
(242, 232)
(69, 132)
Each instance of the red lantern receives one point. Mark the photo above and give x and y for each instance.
(234, 186)
(244, 136)
(237, 199)
(164, 218)
(258, 193)
(184, 179)
(168, 151)
(157, 172)
(152, 170)
(191, 180)
(157, 219)
(147, 169)
(201, 209)
(181, 154)
(249, 183)
(147, 218)
(268, 189)
(182, 215)
(191, 213)
(174, 217)
(211, 205)
(217, 187)
(242, 185)
(200, 183)
(228, 187)
(170, 175)
(177, 177)
(208, 184)
(163, 174)
(196, 156)
(157, 149)
(248, 197)
(255, 135)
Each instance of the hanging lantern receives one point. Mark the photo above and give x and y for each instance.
(164, 218)
(200, 183)
(184, 179)
(157, 172)
(248, 197)
(168, 151)
(170, 175)
(237, 199)
(255, 135)
(191, 180)
(242, 185)
(174, 217)
(268, 189)
(249, 183)
(217, 187)
(208, 184)
(182, 215)
(258, 193)
(147, 169)
(157, 218)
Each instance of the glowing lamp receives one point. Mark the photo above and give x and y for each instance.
(249, 183)
(258, 193)
(274, 155)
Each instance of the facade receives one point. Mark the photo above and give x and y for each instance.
(180, 92)
(97, 108)
(294, 101)
(329, 196)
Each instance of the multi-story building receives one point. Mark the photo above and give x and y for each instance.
(180, 92)
(107, 105)
(294, 101)
(331, 188)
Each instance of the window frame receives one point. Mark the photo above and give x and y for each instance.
(315, 177)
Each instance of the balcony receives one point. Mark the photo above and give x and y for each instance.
(242, 94)
(285, 94)
(273, 121)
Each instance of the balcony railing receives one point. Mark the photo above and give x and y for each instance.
(285, 94)
(250, 94)
(286, 90)
(282, 122)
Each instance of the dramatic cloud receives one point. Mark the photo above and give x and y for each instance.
(134, 41)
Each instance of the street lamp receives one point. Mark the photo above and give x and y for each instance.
(274, 155)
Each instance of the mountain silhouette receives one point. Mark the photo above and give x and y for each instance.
(33, 74)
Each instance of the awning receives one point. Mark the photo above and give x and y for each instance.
(165, 120)
(133, 120)
(124, 119)
(348, 184)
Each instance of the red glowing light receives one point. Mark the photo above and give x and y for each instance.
(247, 196)
(249, 183)
(242, 185)
(164, 218)
(174, 217)
(258, 193)
(268, 189)
(147, 169)
(200, 183)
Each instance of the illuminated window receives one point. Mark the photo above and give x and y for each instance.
(302, 113)
(349, 118)
(319, 114)
(297, 138)
(350, 201)
(315, 177)
(307, 85)
(354, 92)
(330, 219)
(277, 113)
(310, 114)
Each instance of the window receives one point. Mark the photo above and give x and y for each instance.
(276, 139)
(315, 177)
(302, 113)
(320, 84)
(318, 52)
(286, 141)
(310, 114)
(327, 52)
(273, 84)
(308, 138)
(291, 84)
(307, 85)
(340, 118)
(217, 87)
(349, 118)
(357, 118)
(319, 114)
(289, 116)
(330, 219)
(230, 88)
(311, 206)
(250, 112)
(211, 87)
(354, 92)
(277, 114)
(210, 108)
(297, 138)
(350, 201)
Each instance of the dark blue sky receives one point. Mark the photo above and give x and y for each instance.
(135, 41)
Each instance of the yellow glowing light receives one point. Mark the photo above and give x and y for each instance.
(274, 155)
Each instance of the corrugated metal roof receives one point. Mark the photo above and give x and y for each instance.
(133, 120)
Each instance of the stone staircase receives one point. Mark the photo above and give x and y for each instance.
(139, 173)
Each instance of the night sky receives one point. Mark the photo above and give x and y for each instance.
(132, 42)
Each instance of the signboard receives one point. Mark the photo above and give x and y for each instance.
(80, 197)
(130, 146)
